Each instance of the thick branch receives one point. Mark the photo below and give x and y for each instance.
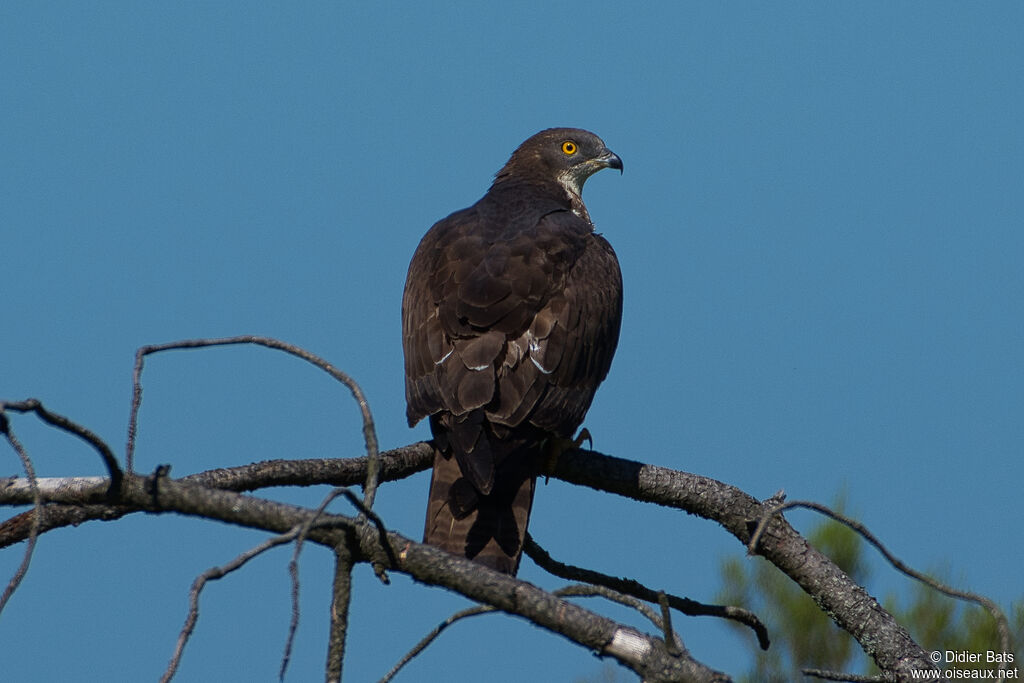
(849, 605)
(1002, 625)
(852, 608)
(644, 654)
(74, 500)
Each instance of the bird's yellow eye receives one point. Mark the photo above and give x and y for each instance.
(569, 147)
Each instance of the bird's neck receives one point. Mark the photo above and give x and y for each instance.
(560, 193)
(578, 207)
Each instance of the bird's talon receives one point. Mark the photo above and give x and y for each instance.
(555, 446)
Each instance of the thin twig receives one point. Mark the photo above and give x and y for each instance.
(37, 506)
(369, 431)
(211, 575)
(133, 413)
(844, 677)
(636, 589)
(1002, 625)
(341, 596)
(379, 568)
(430, 637)
(33, 405)
(583, 590)
(369, 435)
(666, 624)
(293, 571)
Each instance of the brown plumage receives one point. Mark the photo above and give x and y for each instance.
(510, 318)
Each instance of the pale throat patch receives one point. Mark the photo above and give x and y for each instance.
(572, 183)
(572, 180)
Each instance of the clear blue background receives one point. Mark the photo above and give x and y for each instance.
(820, 231)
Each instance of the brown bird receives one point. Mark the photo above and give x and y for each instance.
(510, 318)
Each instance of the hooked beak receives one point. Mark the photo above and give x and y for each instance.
(611, 160)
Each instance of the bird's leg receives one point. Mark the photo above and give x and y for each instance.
(584, 435)
(554, 447)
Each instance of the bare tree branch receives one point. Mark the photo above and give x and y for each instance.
(673, 643)
(636, 589)
(341, 596)
(645, 655)
(211, 575)
(844, 677)
(666, 622)
(293, 572)
(33, 405)
(1002, 625)
(342, 584)
(70, 501)
(849, 605)
(37, 503)
(369, 431)
(432, 636)
(365, 539)
(640, 652)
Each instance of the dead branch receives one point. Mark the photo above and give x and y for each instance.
(432, 636)
(369, 431)
(33, 405)
(849, 605)
(673, 643)
(72, 501)
(844, 677)
(37, 503)
(638, 590)
(1002, 625)
(212, 575)
(638, 651)
(341, 595)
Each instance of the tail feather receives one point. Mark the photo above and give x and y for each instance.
(489, 529)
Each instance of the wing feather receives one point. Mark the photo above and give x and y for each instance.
(523, 324)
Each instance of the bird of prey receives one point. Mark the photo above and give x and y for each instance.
(510, 318)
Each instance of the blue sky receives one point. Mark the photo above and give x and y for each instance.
(820, 232)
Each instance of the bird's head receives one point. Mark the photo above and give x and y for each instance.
(566, 155)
